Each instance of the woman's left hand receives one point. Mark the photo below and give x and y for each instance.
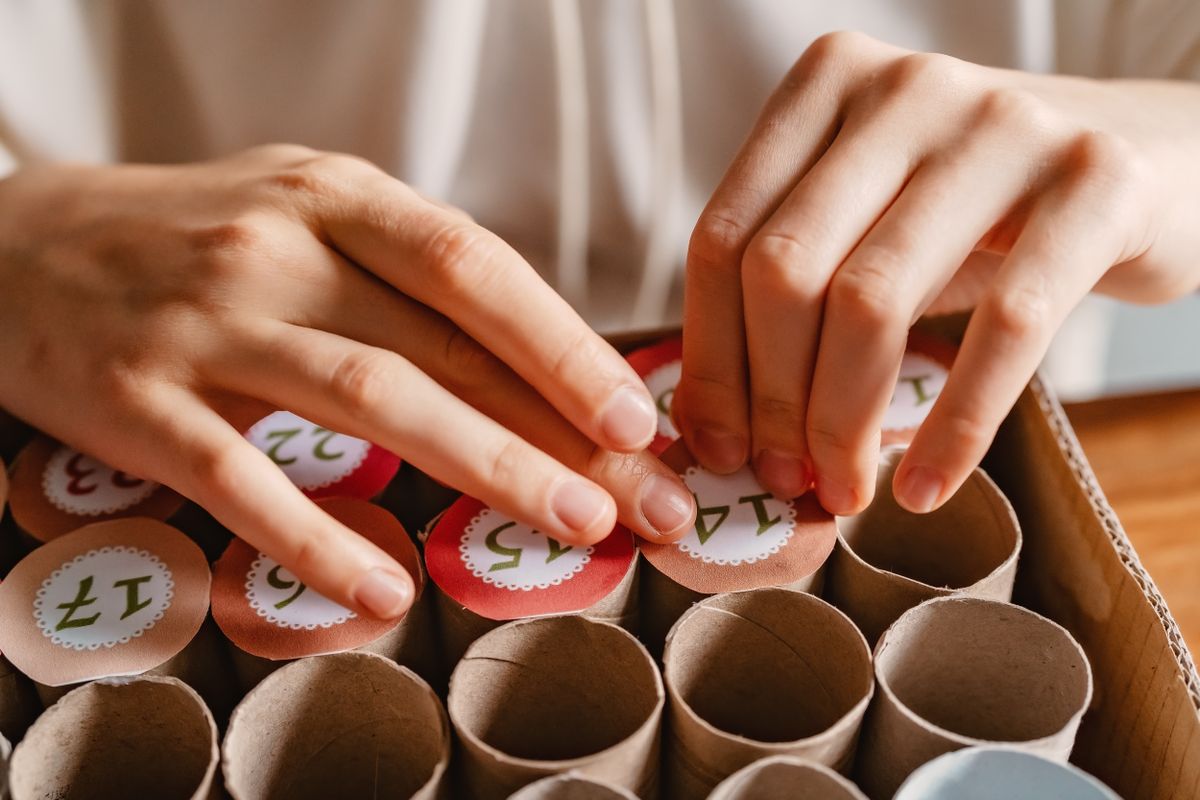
(880, 184)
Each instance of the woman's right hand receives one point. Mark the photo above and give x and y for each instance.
(148, 314)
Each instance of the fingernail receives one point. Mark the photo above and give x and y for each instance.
(385, 594)
(919, 489)
(666, 505)
(721, 451)
(578, 504)
(785, 475)
(837, 498)
(629, 420)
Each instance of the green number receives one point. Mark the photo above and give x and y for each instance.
(132, 606)
(319, 448)
(492, 542)
(284, 436)
(279, 583)
(918, 384)
(556, 549)
(765, 523)
(704, 531)
(81, 600)
(664, 401)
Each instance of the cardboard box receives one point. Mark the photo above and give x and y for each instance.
(1141, 735)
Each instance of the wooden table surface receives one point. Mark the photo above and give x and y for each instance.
(1146, 453)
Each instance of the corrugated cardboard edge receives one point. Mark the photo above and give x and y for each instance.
(1142, 735)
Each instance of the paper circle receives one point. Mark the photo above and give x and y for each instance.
(263, 609)
(113, 598)
(744, 538)
(660, 366)
(503, 569)
(321, 462)
(923, 373)
(56, 489)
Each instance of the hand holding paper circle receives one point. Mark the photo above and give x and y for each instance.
(163, 310)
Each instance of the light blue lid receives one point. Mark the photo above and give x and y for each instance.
(1000, 773)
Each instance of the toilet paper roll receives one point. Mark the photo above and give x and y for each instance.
(786, 778)
(1000, 773)
(344, 725)
(490, 568)
(761, 673)
(957, 671)
(889, 560)
(554, 695)
(117, 598)
(271, 617)
(744, 538)
(149, 736)
(571, 787)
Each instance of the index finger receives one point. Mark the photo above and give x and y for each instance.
(476, 279)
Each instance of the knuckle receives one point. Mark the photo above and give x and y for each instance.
(218, 472)
(508, 466)
(923, 72)
(835, 49)
(966, 434)
(283, 152)
(826, 440)
(309, 556)
(717, 241)
(1018, 313)
(777, 414)
(867, 293)
(781, 262)
(577, 357)
(305, 179)
(1110, 162)
(236, 236)
(457, 257)
(362, 381)
(1010, 107)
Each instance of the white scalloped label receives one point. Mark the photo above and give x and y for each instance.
(920, 382)
(510, 554)
(662, 382)
(279, 597)
(103, 598)
(312, 456)
(79, 484)
(737, 521)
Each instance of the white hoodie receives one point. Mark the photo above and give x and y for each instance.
(588, 133)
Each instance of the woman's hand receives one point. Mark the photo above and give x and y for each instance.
(879, 184)
(149, 314)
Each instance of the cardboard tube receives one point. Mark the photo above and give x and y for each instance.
(120, 737)
(786, 778)
(19, 705)
(1000, 773)
(271, 618)
(490, 569)
(546, 696)
(889, 560)
(116, 598)
(761, 673)
(343, 725)
(55, 489)
(744, 538)
(319, 461)
(571, 787)
(958, 671)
